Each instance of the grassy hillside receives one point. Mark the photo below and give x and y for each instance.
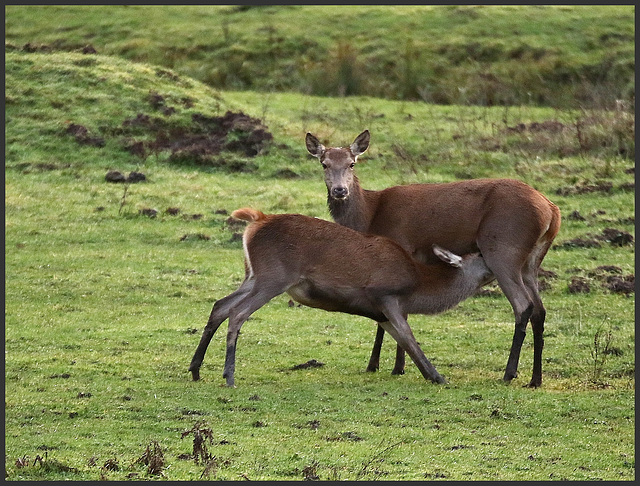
(108, 287)
(554, 55)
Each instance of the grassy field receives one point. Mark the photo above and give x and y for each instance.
(561, 56)
(108, 287)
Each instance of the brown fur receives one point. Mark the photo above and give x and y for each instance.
(509, 222)
(331, 267)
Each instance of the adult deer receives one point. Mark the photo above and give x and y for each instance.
(324, 265)
(509, 222)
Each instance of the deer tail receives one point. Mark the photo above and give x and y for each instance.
(248, 214)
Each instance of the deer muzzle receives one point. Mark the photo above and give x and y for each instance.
(339, 192)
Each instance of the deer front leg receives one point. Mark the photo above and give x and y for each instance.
(399, 329)
(374, 361)
(398, 368)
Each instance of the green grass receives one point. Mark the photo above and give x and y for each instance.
(489, 55)
(104, 306)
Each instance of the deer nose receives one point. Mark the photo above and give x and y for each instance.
(339, 192)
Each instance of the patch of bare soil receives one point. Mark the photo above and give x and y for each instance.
(608, 276)
(604, 187)
(202, 141)
(312, 363)
(620, 284)
(585, 188)
(613, 236)
(579, 285)
(83, 137)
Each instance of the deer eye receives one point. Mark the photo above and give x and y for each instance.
(353, 164)
(324, 166)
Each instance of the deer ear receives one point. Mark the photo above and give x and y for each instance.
(361, 143)
(447, 257)
(314, 146)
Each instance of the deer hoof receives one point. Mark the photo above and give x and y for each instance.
(534, 384)
(509, 376)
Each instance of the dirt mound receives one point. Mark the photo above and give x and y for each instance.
(579, 285)
(604, 187)
(620, 284)
(610, 278)
(613, 236)
(202, 140)
(82, 136)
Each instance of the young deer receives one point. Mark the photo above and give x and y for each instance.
(511, 224)
(327, 266)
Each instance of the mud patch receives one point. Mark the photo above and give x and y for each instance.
(620, 284)
(82, 136)
(312, 363)
(609, 277)
(211, 141)
(348, 436)
(613, 236)
(604, 187)
(579, 285)
(617, 237)
(201, 141)
(194, 237)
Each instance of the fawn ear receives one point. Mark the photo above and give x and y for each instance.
(447, 257)
(314, 146)
(360, 144)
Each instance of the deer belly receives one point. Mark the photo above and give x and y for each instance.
(348, 301)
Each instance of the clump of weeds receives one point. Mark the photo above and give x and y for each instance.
(153, 458)
(202, 435)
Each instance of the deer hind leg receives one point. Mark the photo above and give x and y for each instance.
(251, 302)
(507, 267)
(218, 315)
(399, 329)
(538, 315)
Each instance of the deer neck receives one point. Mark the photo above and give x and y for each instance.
(355, 211)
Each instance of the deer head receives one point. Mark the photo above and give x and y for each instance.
(338, 163)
